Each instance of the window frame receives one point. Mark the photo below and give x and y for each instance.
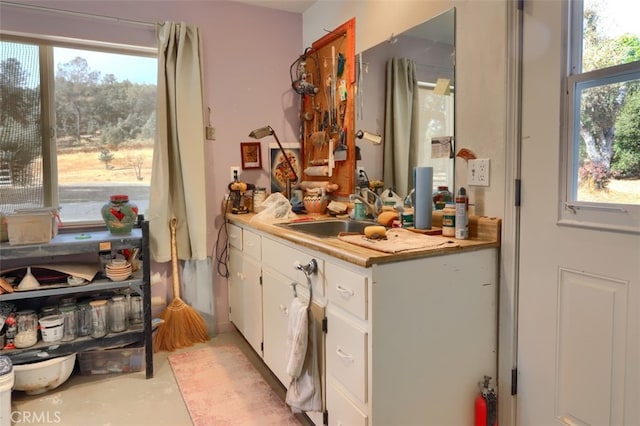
(46, 45)
(571, 212)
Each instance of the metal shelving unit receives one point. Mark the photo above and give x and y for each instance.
(88, 243)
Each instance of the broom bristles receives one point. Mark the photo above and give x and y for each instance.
(183, 326)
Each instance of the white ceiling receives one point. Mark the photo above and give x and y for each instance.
(297, 6)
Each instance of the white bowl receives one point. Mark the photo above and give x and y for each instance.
(39, 377)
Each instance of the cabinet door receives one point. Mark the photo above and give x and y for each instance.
(278, 295)
(245, 297)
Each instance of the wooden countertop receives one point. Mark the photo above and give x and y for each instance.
(484, 232)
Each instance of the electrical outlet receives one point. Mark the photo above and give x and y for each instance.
(478, 172)
(211, 133)
(234, 173)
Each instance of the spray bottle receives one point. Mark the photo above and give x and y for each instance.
(462, 215)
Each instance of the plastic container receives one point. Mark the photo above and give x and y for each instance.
(32, 227)
(7, 378)
(111, 361)
(51, 328)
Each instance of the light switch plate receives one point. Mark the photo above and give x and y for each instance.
(478, 172)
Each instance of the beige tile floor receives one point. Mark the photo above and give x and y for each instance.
(126, 399)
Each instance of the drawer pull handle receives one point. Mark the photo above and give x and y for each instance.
(344, 290)
(284, 309)
(342, 354)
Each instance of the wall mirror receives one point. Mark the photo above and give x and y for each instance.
(404, 124)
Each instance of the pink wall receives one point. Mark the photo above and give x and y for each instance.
(247, 54)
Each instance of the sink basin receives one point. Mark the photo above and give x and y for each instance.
(328, 228)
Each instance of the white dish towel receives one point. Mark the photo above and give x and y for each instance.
(303, 393)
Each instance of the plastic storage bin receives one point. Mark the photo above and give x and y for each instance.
(6, 383)
(111, 361)
(32, 227)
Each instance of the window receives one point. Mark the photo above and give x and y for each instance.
(77, 124)
(602, 110)
(436, 130)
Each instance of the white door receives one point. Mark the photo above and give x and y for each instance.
(578, 320)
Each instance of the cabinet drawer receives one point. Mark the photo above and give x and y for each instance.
(347, 355)
(235, 236)
(347, 289)
(341, 411)
(283, 259)
(251, 244)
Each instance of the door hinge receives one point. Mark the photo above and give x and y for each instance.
(325, 417)
(262, 347)
(514, 381)
(260, 279)
(325, 326)
(517, 192)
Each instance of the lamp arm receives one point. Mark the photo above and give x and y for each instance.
(286, 157)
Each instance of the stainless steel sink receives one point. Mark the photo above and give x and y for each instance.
(328, 228)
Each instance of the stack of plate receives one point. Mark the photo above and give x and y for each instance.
(118, 270)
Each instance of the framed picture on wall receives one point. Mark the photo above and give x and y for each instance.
(250, 155)
(279, 167)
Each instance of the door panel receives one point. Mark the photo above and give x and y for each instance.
(578, 298)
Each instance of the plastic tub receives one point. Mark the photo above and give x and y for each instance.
(51, 328)
(6, 383)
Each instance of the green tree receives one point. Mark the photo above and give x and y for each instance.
(601, 105)
(626, 150)
(75, 89)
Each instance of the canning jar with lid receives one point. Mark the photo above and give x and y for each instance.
(69, 329)
(27, 329)
(118, 314)
(99, 318)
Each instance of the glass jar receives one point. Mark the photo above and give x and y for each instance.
(70, 327)
(136, 309)
(26, 329)
(119, 214)
(46, 311)
(441, 197)
(118, 314)
(83, 324)
(99, 318)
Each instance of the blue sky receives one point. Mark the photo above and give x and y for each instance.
(141, 70)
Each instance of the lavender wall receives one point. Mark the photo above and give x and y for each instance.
(247, 54)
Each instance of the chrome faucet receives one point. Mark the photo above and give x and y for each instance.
(374, 208)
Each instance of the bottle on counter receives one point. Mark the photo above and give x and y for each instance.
(441, 197)
(449, 220)
(462, 215)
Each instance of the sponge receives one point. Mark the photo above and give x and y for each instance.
(386, 218)
(375, 232)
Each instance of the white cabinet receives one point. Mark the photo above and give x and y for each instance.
(245, 292)
(406, 341)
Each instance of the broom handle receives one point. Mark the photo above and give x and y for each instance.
(174, 259)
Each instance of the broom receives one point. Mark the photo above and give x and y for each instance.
(182, 326)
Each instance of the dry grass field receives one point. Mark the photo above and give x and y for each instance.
(86, 167)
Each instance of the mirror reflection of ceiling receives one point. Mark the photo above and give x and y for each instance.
(431, 45)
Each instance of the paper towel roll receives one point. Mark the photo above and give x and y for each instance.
(423, 184)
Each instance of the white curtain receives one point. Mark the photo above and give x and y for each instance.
(178, 178)
(401, 124)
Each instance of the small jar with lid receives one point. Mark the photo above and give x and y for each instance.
(449, 220)
(26, 329)
(46, 311)
(69, 314)
(441, 197)
(118, 312)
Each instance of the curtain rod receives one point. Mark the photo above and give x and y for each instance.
(81, 14)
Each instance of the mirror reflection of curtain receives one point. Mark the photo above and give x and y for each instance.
(178, 177)
(401, 125)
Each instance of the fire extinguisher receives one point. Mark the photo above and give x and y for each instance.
(486, 405)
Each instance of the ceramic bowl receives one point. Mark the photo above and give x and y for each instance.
(39, 377)
(315, 204)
